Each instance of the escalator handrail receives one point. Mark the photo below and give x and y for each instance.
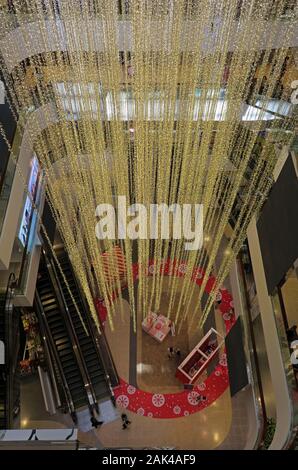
(72, 333)
(96, 337)
(8, 355)
(9, 292)
(254, 352)
(48, 337)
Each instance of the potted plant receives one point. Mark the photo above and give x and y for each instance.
(269, 434)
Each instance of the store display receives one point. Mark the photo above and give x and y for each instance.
(157, 326)
(33, 352)
(196, 362)
(147, 323)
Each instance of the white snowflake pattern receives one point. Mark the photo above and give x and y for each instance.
(232, 304)
(151, 269)
(158, 400)
(227, 316)
(217, 373)
(223, 360)
(141, 411)
(131, 389)
(186, 413)
(150, 415)
(122, 401)
(182, 268)
(201, 386)
(177, 410)
(192, 398)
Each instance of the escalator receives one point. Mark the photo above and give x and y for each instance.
(56, 326)
(88, 344)
(9, 376)
(2, 367)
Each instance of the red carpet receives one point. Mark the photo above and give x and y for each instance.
(175, 405)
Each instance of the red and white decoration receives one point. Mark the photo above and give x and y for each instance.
(184, 403)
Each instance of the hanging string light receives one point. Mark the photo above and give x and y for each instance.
(159, 101)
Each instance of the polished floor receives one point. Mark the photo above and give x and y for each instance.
(203, 430)
(33, 414)
(290, 298)
(143, 362)
(155, 373)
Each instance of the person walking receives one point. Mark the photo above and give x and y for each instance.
(94, 421)
(200, 398)
(177, 352)
(171, 352)
(125, 421)
(292, 333)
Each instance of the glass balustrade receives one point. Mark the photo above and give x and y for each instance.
(9, 176)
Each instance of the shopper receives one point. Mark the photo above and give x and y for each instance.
(95, 423)
(292, 333)
(177, 352)
(200, 398)
(125, 419)
(171, 352)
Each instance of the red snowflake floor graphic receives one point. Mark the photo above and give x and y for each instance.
(185, 403)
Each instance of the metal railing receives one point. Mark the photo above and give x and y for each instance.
(52, 356)
(99, 340)
(71, 332)
(10, 356)
(8, 176)
(252, 354)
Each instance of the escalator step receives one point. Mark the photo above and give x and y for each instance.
(61, 338)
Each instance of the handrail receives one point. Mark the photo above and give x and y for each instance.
(288, 368)
(50, 349)
(284, 402)
(7, 328)
(254, 348)
(102, 339)
(6, 163)
(72, 333)
(97, 339)
(8, 176)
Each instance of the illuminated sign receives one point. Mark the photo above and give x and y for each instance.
(27, 212)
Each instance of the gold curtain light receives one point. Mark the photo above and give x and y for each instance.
(161, 101)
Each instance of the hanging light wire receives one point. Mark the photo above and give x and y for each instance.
(141, 106)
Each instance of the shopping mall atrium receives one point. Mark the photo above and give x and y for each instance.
(148, 224)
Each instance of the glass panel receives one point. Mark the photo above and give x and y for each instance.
(8, 177)
(27, 237)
